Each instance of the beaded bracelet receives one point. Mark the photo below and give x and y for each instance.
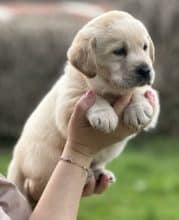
(76, 164)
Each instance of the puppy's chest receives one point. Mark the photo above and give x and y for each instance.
(111, 98)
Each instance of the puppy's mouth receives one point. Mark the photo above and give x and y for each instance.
(143, 82)
(137, 80)
(130, 83)
(124, 84)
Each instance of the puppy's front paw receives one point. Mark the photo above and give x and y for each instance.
(138, 115)
(104, 120)
(99, 172)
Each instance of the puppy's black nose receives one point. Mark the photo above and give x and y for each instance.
(143, 72)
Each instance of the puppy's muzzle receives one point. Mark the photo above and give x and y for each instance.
(144, 74)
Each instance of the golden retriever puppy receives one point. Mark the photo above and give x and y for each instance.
(113, 55)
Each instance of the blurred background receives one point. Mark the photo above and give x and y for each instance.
(34, 38)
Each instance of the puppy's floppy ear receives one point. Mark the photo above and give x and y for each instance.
(151, 50)
(82, 56)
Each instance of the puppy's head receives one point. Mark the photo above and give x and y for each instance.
(116, 48)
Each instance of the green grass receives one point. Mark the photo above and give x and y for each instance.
(5, 157)
(147, 186)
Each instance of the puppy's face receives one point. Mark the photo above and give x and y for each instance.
(115, 48)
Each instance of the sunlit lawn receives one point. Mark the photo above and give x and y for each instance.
(147, 186)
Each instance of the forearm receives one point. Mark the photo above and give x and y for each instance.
(61, 197)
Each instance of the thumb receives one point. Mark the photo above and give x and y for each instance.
(82, 106)
(122, 103)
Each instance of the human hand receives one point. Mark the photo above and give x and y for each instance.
(87, 140)
(94, 186)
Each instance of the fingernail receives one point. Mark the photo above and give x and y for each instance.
(89, 98)
(105, 178)
(150, 96)
(149, 93)
(90, 93)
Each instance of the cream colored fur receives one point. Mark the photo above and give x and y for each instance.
(91, 65)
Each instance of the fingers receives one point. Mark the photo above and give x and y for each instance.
(122, 103)
(84, 103)
(89, 187)
(96, 187)
(102, 184)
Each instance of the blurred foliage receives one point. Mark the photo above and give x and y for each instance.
(147, 186)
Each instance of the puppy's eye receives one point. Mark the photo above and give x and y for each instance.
(120, 51)
(145, 47)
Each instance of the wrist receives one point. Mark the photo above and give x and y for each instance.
(72, 152)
